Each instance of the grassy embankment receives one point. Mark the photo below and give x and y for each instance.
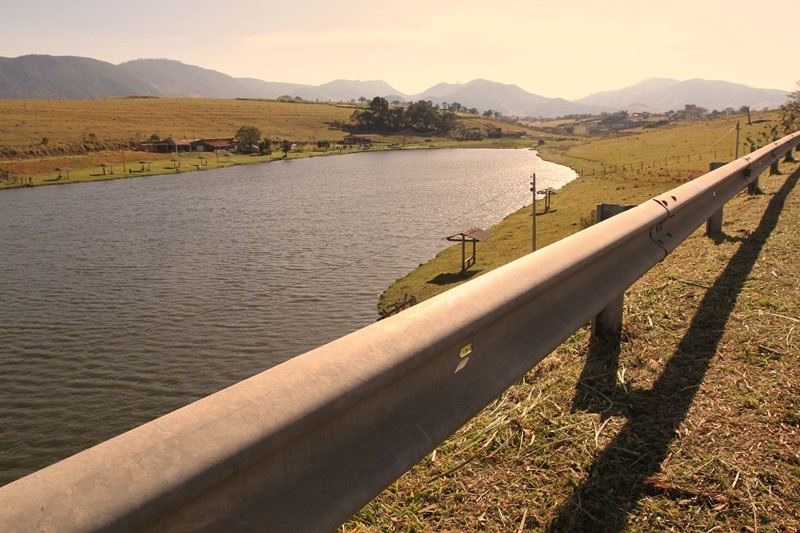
(654, 160)
(38, 136)
(692, 426)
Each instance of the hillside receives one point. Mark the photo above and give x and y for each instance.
(42, 77)
(173, 78)
(509, 99)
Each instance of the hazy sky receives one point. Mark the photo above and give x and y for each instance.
(555, 48)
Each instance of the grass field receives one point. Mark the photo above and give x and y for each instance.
(692, 425)
(69, 123)
(38, 136)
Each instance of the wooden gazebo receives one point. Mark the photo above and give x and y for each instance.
(473, 235)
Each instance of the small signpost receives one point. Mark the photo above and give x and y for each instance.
(473, 235)
(547, 192)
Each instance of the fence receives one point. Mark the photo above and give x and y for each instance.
(304, 445)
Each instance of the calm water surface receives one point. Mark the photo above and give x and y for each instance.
(121, 301)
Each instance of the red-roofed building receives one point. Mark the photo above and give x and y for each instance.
(210, 145)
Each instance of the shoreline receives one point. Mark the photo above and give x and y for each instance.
(440, 273)
(59, 171)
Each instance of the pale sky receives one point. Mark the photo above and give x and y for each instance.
(553, 48)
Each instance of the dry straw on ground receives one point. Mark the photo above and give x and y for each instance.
(692, 425)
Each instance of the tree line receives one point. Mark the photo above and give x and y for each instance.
(419, 117)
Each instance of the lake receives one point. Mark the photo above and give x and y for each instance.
(123, 300)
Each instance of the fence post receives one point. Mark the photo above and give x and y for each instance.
(714, 224)
(607, 324)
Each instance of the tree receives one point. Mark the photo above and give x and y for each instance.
(246, 137)
(421, 116)
(265, 147)
(615, 121)
(286, 146)
(789, 112)
(693, 111)
(375, 117)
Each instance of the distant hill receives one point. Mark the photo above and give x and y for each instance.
(510, 100)
(47, 77)
(345, 90)
(267, 89)
(42, 76)
(173, 78)
(664, 94)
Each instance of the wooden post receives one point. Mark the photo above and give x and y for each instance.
(607, 324)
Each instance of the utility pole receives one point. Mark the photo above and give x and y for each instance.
(533, 212)
(737, 140)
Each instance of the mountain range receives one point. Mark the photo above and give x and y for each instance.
(50, 77)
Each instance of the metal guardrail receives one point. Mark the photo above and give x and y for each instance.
(304, 445)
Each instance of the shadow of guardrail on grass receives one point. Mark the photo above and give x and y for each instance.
(617, 477)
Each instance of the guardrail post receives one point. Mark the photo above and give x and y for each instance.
(752, 187)
(714, 224)
(607, 324)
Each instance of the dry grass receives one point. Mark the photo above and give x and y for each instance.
(68, 124)
(38, 136)
(691, 426)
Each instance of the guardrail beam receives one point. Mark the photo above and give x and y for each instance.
(306, 444)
